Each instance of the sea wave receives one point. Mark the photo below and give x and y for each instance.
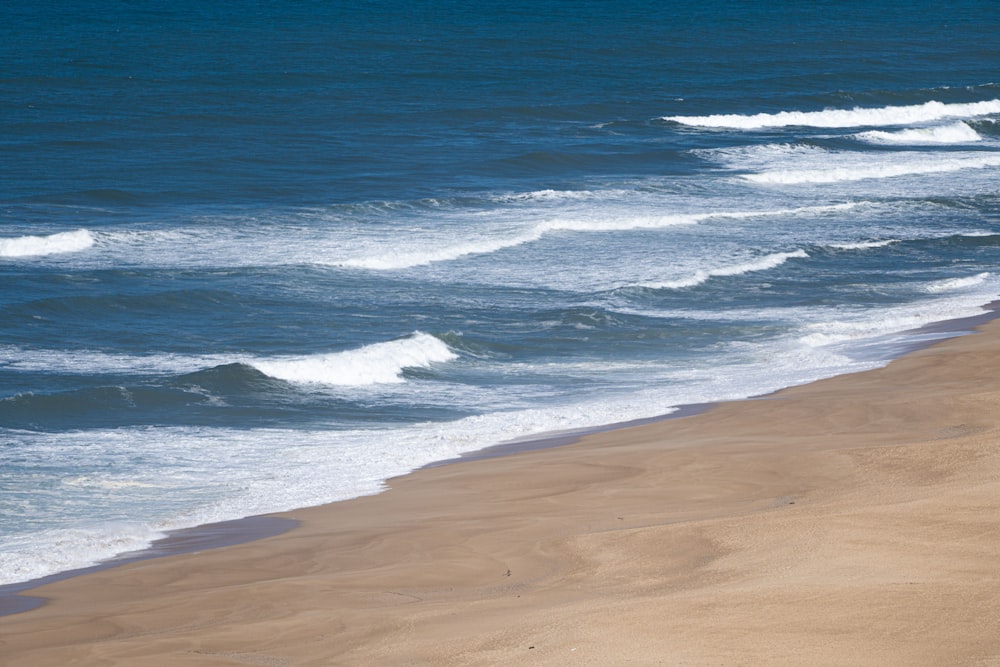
(393, 260)
(867, 170)
(864, 245)
(760, 264)
(953, 284)
(379, 363)
(550, 195)
(955, 133)
(404, 260)
(53, 244)
(840, 118)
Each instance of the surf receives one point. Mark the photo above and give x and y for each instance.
(378, 363)
(52, 244)
(843, 118)
(764, 263)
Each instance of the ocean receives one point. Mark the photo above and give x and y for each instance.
(260, 256)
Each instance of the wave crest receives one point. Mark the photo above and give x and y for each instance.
(379, 363)
(836, 118)
(955, 133)
(395, 261)
(855, 172)
(764, 263)
(952, 284)
(54, 244)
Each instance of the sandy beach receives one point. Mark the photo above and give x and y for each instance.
(852, 521)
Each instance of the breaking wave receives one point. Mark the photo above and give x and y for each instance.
(761, 264)
(54, 244)
(957, 283)
(838, 118)
(392, 260)
(858, 172)
(864, 245)
(379, 363)
(955, 133)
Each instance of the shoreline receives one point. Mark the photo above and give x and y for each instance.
(176, 542)
(851, 520)
(15, 598)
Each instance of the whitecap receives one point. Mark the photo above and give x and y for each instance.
(952, 284)
(864, 245)
(378, 363)
(54, 244)
(837, 118)
(955, 133)
(391, 259)
(863, 170)
(764, 263)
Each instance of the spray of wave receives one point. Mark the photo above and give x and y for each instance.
(839, 118)
(54, 244)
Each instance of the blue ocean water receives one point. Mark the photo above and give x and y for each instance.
(259, 256)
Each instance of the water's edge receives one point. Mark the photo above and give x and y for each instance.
(239, 531)
(182, 541)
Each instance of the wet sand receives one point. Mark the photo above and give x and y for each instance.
(850, 521)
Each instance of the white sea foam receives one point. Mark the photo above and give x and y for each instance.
(97, 362)
(45, 552)
(379, 363)
(953, 284)
(394, 260)
(550, 195)
(54, 244)
(955, 133)
(606, 222)
(864, 245)
(842, 118)
(848, 327)
(864, 170)
(760, 264)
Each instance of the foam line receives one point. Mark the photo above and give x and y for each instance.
(859, 173)
(838, 118)
(864, 245)
(610, 223)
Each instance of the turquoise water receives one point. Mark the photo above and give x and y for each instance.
(259, 256)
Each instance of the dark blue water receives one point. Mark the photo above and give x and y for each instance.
(257, 256)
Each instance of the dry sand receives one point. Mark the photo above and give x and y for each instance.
(853, 521)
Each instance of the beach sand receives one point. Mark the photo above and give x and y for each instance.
(852, 521)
